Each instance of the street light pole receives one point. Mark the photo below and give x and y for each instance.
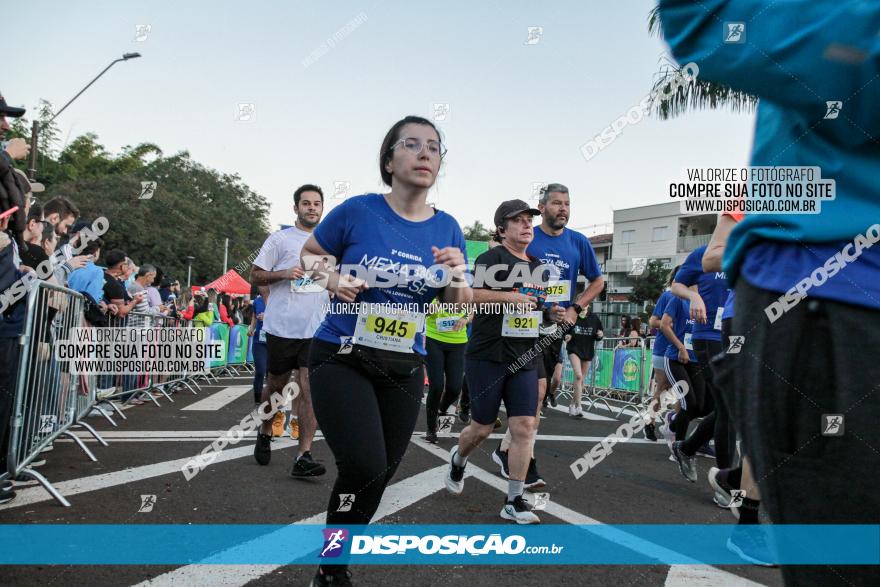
(35, 129)
(189, 261)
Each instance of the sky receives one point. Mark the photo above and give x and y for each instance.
(518, 112)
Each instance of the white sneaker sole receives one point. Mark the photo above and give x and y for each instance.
(721, 496)
(453, 487)
(523, 518)
(497, 460)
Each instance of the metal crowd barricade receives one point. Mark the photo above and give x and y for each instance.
(618, 377)
(50, 396)
(237, 351)
(127, 387)
(172, 382)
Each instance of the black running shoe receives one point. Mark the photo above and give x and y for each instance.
(650, 433)
(431, 437)
(500, 458)
(552, 396)
(686, 464)
(464, 414)
(342, 579)
(262, 450)
(519, 511)
(533, 478)
(305, 466)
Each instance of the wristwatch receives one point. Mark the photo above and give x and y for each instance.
(577, 308)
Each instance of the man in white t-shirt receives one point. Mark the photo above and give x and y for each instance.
(294, 310)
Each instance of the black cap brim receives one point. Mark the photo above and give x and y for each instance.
(532, 211)
(12, 112)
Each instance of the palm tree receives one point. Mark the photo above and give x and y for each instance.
(476, 232)
(696, 94)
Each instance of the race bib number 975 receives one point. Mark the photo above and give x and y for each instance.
(558, 292)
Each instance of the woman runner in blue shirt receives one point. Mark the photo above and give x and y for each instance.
(366, 361)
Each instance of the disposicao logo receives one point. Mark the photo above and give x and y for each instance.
(334, 541)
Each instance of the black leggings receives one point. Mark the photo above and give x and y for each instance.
(445, 362)
(693, 404)
(367, 403)
(718, 423)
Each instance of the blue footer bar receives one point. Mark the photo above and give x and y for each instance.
(547, 544)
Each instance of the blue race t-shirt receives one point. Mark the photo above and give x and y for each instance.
(571, 253)
(259, 308)
(712, 288)
(792, 128)
(365, 231)
(680, 311)
(728, 305)
(660, 342)
(778, 266)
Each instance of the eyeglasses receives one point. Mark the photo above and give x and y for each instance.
(415, 146)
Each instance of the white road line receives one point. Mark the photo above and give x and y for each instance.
(96, 482)
(704, 576)
(191, 435)
(570, 516)
(157, 433)
(400, 495)
(219, 399)
(561, 438)
(587, 415)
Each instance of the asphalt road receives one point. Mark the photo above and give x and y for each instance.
(636, 484)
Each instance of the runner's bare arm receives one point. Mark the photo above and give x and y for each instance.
(320, 266)
(457, 292)
(692, 295)
(593, 289)
(261, 277)
(715, 249)
(669, 333)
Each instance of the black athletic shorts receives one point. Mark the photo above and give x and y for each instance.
(490, 383)
(551, 355)
(539, 367)
(583, 347)
(286, 354)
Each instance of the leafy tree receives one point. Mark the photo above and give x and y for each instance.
(192, 211)
(650, 285)
(477, 232)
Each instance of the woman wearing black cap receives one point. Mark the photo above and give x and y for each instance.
(499, 361)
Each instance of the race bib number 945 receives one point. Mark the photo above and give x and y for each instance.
(390, 331)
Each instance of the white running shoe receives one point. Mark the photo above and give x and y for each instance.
(519, 511)
(455, 475)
